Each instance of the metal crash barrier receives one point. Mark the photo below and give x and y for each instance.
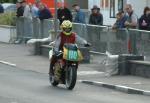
(118, 41)
(80, 29)
(20, 28)
(35, 28)
(140, 42)
(97, 36)
(102, 38)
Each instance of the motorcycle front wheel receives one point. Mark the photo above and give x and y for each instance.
(70, 77)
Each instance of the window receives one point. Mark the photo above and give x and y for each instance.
(115, 5)
(112, 9)
(120, 5)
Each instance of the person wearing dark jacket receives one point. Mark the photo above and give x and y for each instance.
(144, 21)
(20, 9)
(64, 13)
(120, 22)
(1, 9)
(44, 13)
(96, 18)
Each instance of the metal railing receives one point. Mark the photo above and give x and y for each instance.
(102, 38)
(140, 42)
(35, 28)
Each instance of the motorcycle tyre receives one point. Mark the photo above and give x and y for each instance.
(52, 80)
(71, 83)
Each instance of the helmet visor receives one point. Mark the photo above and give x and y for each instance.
(67, 30)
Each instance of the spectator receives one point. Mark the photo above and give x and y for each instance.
(120, 22)
(149, 20)
(96, 18)
(144, 22)
(132, 21)
(20, 9)
(44, 12)
(35, 11)
(27, 10)
(1, 9)
(80, 16)
(64, 13)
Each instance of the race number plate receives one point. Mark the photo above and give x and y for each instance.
(72, 55)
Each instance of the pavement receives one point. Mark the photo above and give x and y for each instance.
(93, 73)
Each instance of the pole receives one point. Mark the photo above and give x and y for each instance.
(55, 20)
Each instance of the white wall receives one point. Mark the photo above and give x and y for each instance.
(106, 18)
(5, 34)
(106, 15)
(148, 2)
(93, 2)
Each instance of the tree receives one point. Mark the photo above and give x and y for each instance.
(8, 1)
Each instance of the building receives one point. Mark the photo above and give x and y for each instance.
(109, 8)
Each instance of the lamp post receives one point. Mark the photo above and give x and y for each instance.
(55, 19)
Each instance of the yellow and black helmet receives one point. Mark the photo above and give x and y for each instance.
(66, 26)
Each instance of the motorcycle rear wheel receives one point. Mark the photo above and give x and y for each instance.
(52, 80)
(70, 77)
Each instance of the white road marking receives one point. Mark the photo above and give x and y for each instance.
(89, 72)
(138, 83)
(7, 63)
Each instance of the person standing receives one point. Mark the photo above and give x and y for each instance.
(132, 21)
(144, 22)
(120, 22)
(20, 9)
(64, 13)
(80, 16)
(44, 12)
(96, 18)
(35, 11)
(28, 30)
(27, 10)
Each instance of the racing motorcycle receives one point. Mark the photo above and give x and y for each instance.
(65, 68)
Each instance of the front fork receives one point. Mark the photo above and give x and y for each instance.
(73, 64)
(66, 67)
(70, 64)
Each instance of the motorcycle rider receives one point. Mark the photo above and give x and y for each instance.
(66, 36)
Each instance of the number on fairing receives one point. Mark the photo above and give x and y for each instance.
(72, 55)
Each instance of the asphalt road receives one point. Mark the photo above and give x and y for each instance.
(25, 86)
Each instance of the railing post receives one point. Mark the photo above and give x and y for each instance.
(56, 21)
(128, 42)
(36, 28)
(108, 40)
